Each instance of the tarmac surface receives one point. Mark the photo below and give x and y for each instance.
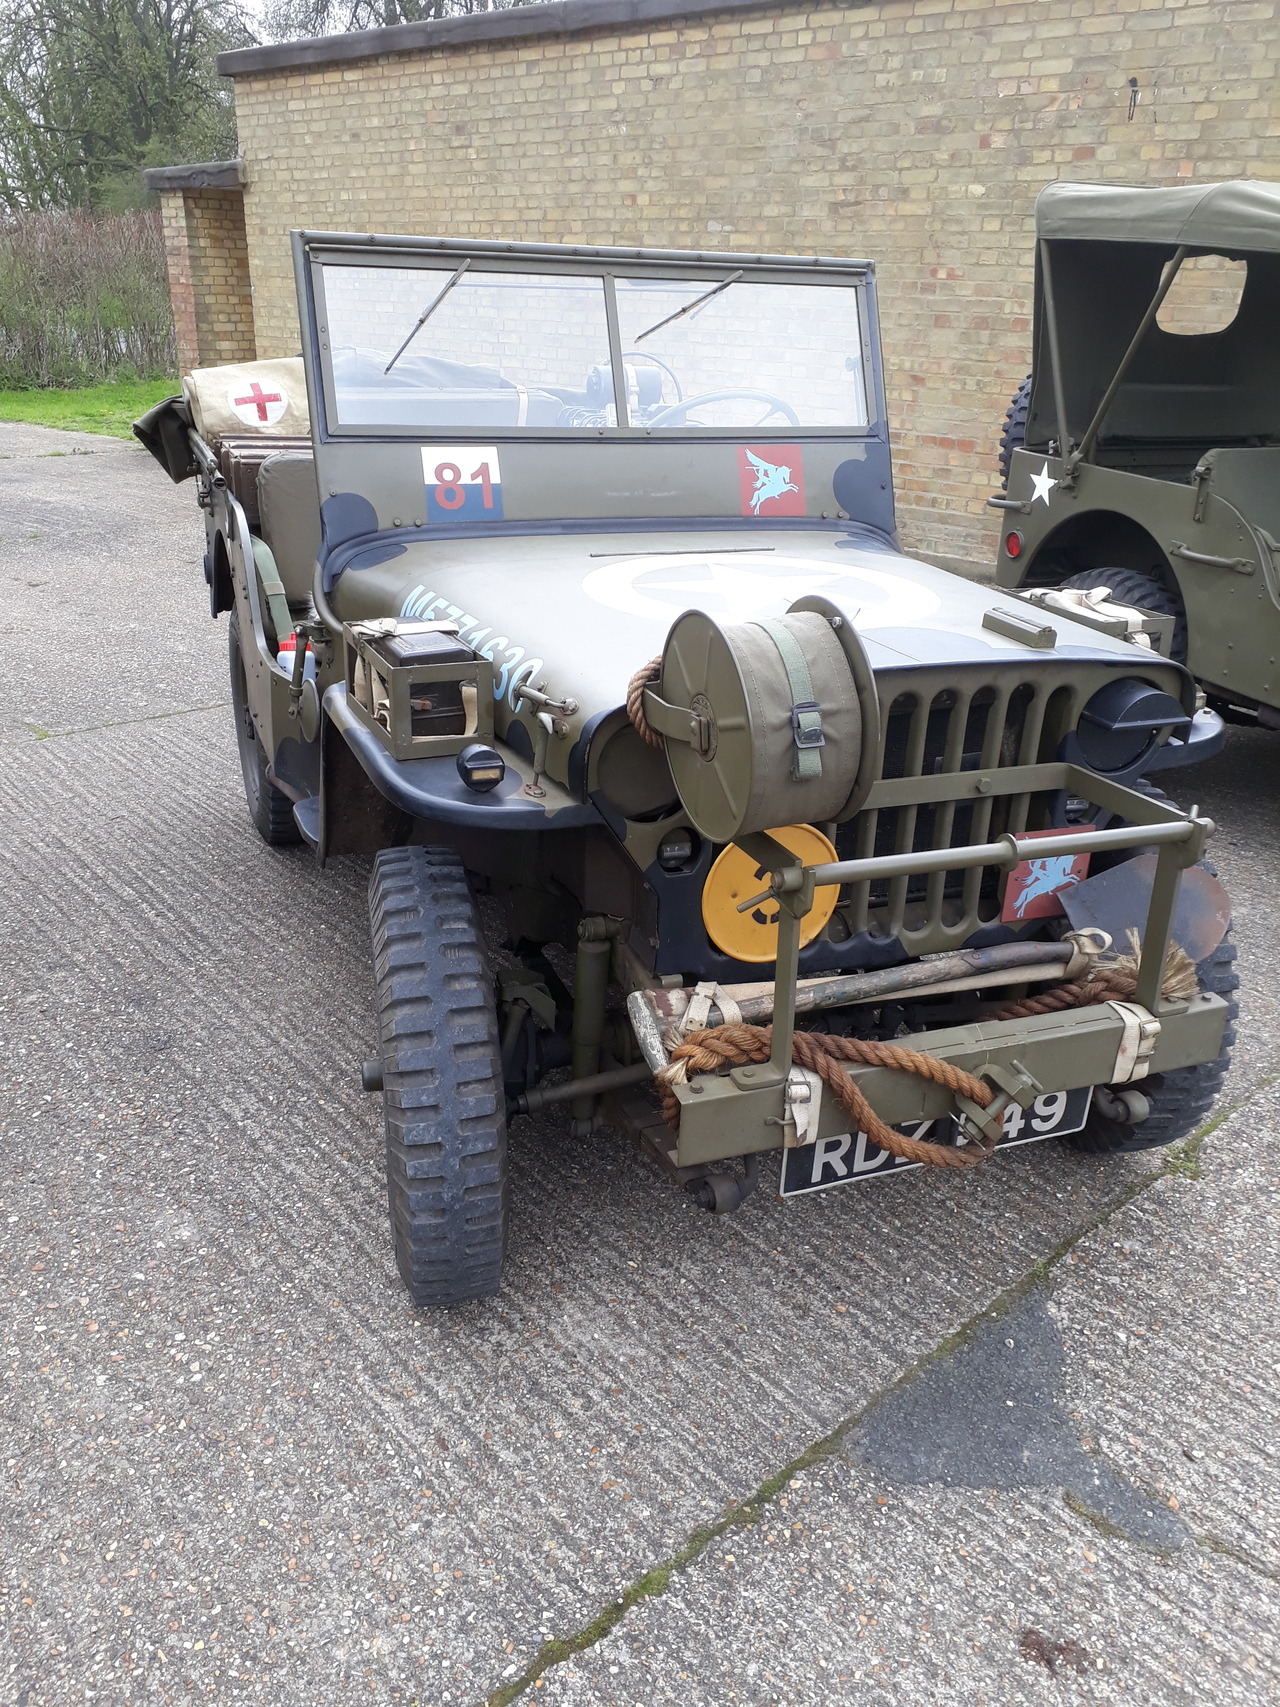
(1003, 1438)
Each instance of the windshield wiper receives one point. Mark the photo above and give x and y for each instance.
(426, 314)
(689, 306)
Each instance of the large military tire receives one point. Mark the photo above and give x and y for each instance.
(1132, 587)
(442, 1078)
(1014, 432)
(271, 811)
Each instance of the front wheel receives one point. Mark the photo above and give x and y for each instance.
(442, 1078)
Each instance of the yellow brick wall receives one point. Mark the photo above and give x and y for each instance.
(208, 259)
(173, 220)
(220, 269)
(915, 132)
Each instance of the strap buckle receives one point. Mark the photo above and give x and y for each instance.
(806, 724)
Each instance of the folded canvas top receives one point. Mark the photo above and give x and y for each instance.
(249, 397)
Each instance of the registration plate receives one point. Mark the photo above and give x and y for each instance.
(847, 1157)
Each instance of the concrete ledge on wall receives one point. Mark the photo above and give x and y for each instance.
(562, 17)
(210, 175)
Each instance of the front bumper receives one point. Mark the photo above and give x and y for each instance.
(1204, 740)
(723, 1117)
(748, 1109)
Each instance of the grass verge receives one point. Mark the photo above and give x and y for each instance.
(110, 409)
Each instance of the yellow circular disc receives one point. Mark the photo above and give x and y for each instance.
(735, 877)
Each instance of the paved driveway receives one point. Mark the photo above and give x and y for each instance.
(1006, 1438)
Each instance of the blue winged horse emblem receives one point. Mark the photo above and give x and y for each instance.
(1046, 877)
(772, 480)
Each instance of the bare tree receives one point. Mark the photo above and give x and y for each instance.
(93, 90)
(288, 20)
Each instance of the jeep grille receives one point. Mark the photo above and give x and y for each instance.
(983, 726)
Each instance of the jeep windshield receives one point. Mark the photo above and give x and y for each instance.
(508, 346)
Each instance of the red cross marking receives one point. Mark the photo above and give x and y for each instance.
(260, 398)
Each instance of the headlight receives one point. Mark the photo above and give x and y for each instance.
(1124, 722)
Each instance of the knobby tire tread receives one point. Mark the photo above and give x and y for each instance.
(442, 1080)
(1014, 432)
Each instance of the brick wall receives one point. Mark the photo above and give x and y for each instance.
(208, 260)
(916, 132)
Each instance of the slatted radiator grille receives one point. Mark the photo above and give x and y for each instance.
(957, 730)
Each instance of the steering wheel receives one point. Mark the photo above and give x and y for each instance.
(679, 411)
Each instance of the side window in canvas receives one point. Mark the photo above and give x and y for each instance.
(1205, 296)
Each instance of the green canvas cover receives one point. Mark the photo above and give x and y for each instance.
(1108, 246)
(1231, 218)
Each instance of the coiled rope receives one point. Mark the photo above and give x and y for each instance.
(1108, 980)
(645, 677)
(735, 1045)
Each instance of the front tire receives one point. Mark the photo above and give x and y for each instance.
(1180, 1100)
(442, 1078)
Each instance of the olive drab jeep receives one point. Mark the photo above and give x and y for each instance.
(1142, 457)
(563, 584)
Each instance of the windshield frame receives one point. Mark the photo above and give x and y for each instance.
(314, 251)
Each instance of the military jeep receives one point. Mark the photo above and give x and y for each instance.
(564, 583)
(1142, 456)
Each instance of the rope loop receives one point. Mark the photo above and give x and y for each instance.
(645, 677)
(736, 1045)
(1114, 979)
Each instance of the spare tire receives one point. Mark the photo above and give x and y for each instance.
(1132, 587)
(1014, 432)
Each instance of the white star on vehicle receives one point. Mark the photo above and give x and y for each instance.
(735, 590)
(1042, 485)
(660, 587)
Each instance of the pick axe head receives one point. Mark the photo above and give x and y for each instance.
(1116, 901)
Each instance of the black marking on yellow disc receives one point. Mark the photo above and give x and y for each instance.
(735, 876)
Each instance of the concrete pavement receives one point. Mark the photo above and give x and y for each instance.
(237, 1467)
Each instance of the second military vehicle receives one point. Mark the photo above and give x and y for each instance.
(565, 584)
(1142, 459)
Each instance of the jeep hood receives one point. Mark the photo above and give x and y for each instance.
(590, 608)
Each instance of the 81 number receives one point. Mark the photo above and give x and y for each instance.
(449, 493)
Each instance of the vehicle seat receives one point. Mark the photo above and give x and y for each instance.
(1249, 480)
(289, 508)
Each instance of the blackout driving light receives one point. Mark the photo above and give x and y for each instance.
(1124, 722)
(480, 767)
